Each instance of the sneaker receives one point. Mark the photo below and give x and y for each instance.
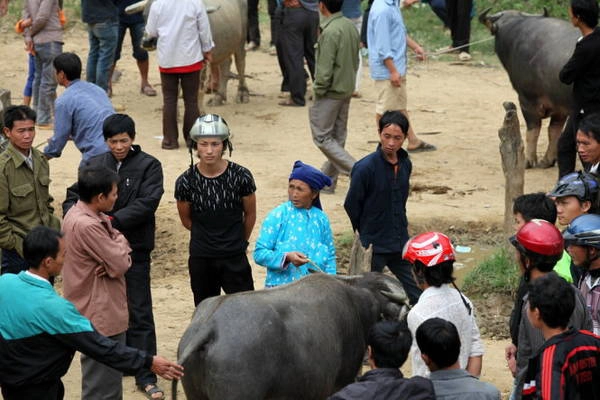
(464, 56)
(272, 51)
(251, 46)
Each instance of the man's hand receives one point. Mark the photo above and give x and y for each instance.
(420, 53)
(510, 353)
(395, 79)
(100, 271)
(165, 368)
(296, 258)
(207, 56)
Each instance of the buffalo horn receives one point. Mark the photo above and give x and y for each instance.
(395, 297)
(484, 14)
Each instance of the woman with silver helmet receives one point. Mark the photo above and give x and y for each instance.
(217, 204)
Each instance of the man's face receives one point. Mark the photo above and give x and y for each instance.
(568, 208)
(21, 135)
(588, 148)
(107, 202)
(519, 221)
(579, 255)
(119, 145)
(210, 151)
(56, 264)
(391, 138)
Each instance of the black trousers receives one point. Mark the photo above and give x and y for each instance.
(567, 147)
(141, 333)
(51, 390)
(272, 7)
(296, 42)
(253, 27)
(399, 267)
(209, 275)
(459, 19)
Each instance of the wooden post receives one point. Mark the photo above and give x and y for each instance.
(513, 163)
(360, 258)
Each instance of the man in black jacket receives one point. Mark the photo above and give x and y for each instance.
(139, 191)
(388, 345)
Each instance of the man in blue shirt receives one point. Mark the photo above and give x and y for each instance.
(79, 113)
(387, 40)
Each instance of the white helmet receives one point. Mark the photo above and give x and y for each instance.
(209, 125)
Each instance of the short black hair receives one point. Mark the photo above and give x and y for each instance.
(586, 11)
(116, 124)
(535, 206)
(439, 340)
(70, 64)
(554, 298)
(390, 343)
(41, 242)
(18, 113)
(590, 126)
(436, 275)
(394, 118)
(332, 6)
(95, 181)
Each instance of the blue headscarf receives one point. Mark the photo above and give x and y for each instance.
(312, 177)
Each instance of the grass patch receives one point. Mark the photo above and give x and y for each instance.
(497, 274)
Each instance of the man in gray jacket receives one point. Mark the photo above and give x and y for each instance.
(439, 343)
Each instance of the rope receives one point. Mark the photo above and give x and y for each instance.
(452, 49)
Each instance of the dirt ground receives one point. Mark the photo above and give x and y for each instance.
(459, 105)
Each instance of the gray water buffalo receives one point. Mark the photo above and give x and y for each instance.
(304, 340)
(533, 49)
(228, 22)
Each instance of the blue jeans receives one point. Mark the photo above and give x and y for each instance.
(28, 90)
(103, 38)
(44, 81)
(136, 33)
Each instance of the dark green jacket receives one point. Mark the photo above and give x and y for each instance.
(337, 58)
(25, 200)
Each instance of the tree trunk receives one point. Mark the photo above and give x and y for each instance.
(513, 163)
(360, 258)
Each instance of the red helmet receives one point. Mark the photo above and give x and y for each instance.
(539, 237)
(430, 248)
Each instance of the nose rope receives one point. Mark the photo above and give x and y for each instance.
(452, 49)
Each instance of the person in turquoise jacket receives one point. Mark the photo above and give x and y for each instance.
(296, 237)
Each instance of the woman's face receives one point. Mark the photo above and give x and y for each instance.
(300, 194)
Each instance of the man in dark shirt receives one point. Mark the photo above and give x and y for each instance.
(217, 204)
(376, 200)
(388, 345)
(582, 71)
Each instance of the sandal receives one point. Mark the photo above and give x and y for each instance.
(148, 91)
(422, 147)
(150, 389)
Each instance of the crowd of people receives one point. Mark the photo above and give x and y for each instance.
(103, 244)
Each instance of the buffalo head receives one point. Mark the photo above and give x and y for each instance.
(493, 21)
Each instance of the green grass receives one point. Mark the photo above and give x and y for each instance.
(497, 274)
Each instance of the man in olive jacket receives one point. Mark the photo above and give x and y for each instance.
(140, 190)
(25, 200)
(335, 77)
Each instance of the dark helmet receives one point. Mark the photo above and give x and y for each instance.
(540, 239)
(582, 185)
(584, 231)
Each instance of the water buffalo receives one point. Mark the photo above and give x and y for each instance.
(533, 49)
(304, 340)
(228, 22)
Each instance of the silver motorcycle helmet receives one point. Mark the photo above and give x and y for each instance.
(210, 126)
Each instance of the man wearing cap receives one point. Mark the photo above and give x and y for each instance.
(539, 245)
(296, 236)
(582, 240)
(217, 204)
(432, 257)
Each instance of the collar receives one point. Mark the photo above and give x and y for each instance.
(449, 374)
(392, 3)
(378, 373)
(327, 20)
(18, 157)
(31, 279)
(433, 290)
(85, 209)
(34, 276)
